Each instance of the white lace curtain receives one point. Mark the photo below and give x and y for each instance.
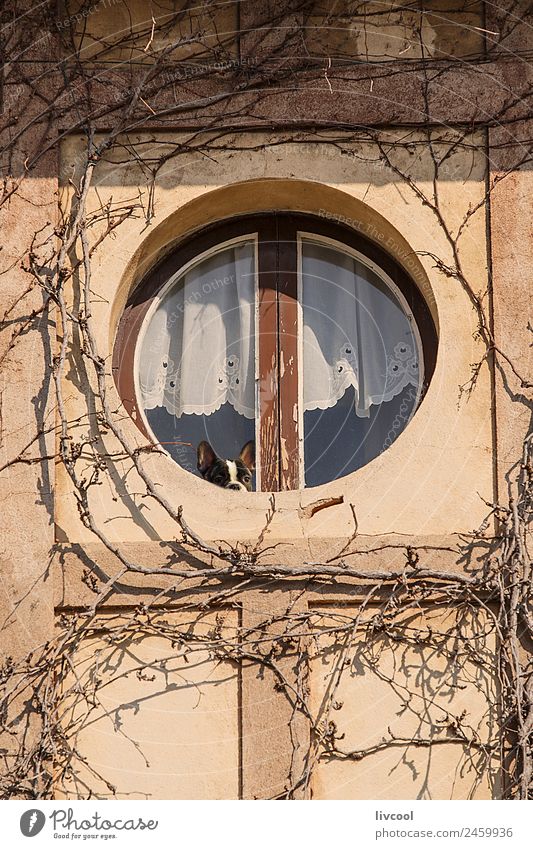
(355, 333)
(198, 351)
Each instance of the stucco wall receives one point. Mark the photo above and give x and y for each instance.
(413, 690)
(165, 722)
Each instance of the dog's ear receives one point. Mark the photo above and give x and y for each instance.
(206, 457)
(247, 454)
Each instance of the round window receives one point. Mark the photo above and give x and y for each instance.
(275, 352)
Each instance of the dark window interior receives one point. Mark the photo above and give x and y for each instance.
(225, 430)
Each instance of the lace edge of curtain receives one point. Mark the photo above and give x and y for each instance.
(201, 410)
(363, 412)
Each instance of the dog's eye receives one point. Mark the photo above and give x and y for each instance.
(246, 479)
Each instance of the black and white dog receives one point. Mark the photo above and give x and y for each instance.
(230, 474)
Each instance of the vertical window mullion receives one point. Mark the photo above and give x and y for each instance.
(289, 458)
(268, 457)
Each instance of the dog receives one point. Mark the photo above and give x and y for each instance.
(229, 474)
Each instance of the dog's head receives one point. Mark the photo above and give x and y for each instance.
(229, 474)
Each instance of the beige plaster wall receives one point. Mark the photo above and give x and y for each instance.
(434, 477)
(162, 724)
(26, 407)
(409, 690)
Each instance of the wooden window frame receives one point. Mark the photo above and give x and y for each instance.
(277, 233)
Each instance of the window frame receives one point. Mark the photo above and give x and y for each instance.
(278, 234)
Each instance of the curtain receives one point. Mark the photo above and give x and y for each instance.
(355, 333)
(198, 351)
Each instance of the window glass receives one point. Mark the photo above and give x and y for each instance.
(282, 330)
(362, 362)
(196, 357)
